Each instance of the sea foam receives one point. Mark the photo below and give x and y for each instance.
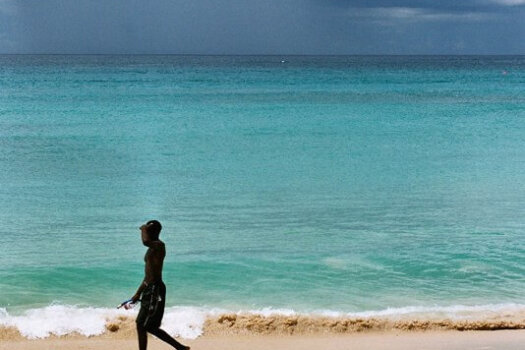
(59, 320)
(191, 322)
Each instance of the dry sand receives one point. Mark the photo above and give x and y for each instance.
(402, 340)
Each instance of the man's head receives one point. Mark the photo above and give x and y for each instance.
(152, 228)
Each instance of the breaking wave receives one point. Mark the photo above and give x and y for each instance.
(191, 322)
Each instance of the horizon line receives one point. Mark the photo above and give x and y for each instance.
(255, 54)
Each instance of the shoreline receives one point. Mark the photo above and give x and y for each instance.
(370, 340)
(122, 326)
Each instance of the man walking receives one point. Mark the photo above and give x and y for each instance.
(152, 291)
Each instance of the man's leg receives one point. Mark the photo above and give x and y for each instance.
(162, 335)
(143, 337)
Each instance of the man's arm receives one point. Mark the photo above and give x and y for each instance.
(155, 248)
(141, 288)
(150, 243)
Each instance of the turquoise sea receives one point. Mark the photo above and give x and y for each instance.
(346, 184)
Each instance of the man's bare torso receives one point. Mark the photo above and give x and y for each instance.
(154, 260)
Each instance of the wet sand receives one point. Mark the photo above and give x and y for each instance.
(391, 340)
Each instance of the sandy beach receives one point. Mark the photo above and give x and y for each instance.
(433, 340)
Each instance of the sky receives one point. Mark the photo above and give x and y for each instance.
(317, 27)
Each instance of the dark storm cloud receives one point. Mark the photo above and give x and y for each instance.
(269, 26)
(200, 26)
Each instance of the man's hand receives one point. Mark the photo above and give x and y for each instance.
(135, 298)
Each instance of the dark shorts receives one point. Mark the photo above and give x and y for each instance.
(152, 306)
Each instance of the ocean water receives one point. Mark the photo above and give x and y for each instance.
(347, 185)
